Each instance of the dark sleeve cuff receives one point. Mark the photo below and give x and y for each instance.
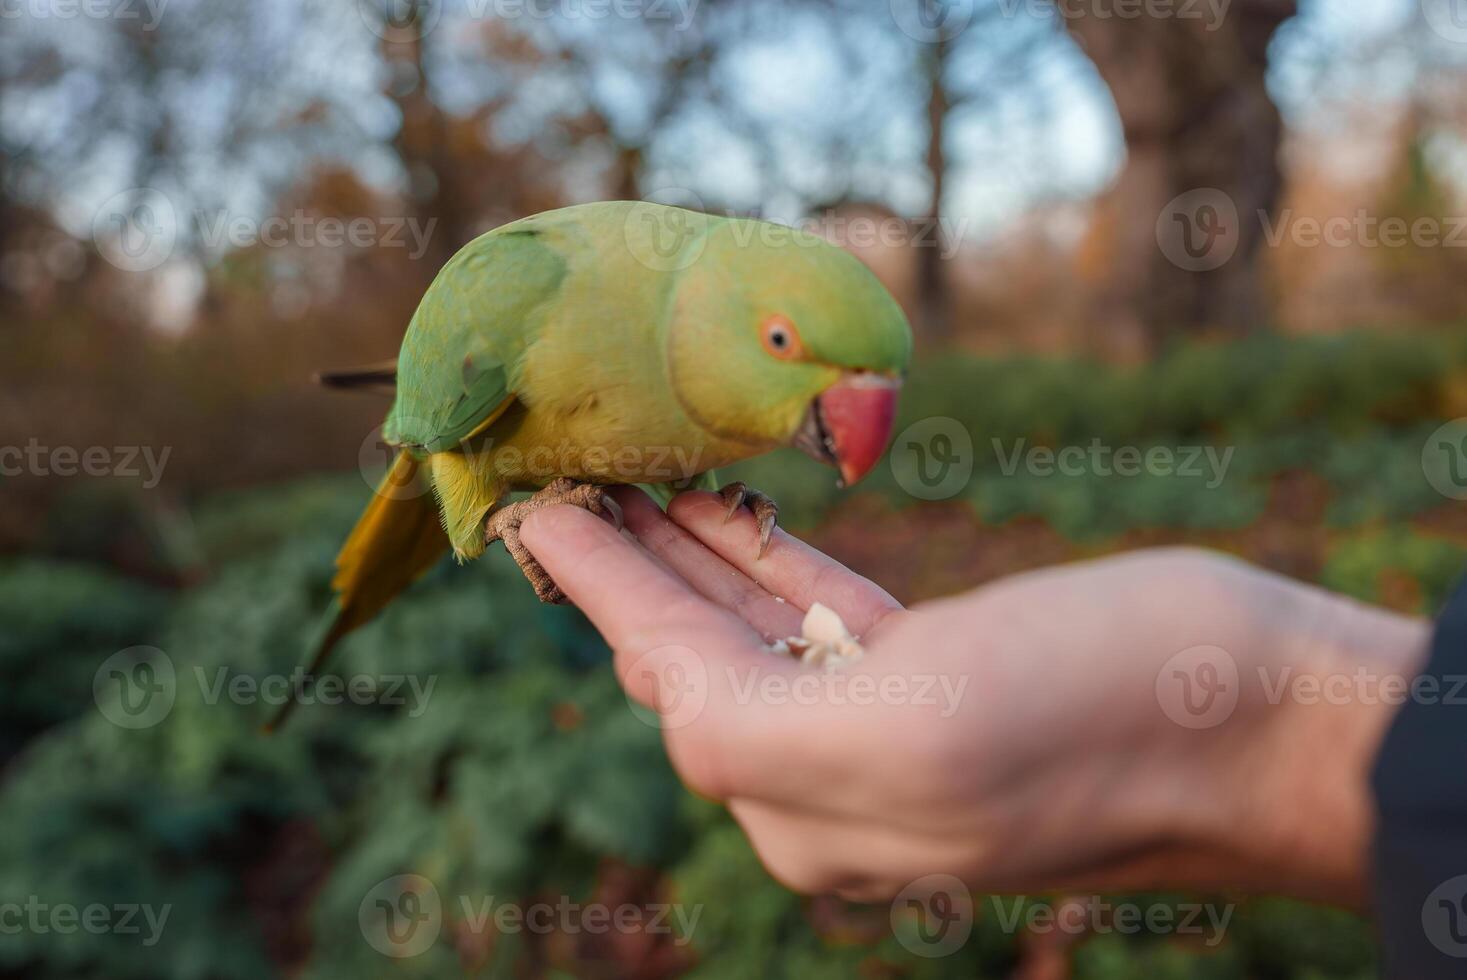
(1420, 783)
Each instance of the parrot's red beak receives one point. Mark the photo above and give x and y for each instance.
(850, 423)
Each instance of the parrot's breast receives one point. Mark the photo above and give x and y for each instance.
(604, 440)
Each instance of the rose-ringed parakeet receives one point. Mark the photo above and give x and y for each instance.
(614, 343)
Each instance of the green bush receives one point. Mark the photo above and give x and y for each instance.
(61, 621)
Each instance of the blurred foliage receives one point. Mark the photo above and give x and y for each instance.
(520, 774)
(60, 621)
(1355, 410)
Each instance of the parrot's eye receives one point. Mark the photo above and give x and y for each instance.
(781, 338)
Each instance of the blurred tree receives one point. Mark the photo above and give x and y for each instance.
(421, 139)
(672, 65)
(932, 285)
(215, 106)
(8, 152)
(1196, 114)
(963, 64)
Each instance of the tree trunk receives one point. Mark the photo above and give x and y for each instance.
(1196, 115)
(934, 302)
(422, 141)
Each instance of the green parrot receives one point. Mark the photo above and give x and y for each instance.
(613, 343)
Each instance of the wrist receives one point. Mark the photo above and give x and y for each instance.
(1338, 674)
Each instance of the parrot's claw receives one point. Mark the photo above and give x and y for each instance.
(733, 497)
(765, 510)
(504, 525)
(614, 509)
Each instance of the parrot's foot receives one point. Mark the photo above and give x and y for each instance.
(504, 525)
(765, 510)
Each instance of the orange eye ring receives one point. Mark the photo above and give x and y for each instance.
(780, 338)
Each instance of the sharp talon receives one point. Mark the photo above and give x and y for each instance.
(613, 508)
(735, 500)
(766, 531)
(766, 512)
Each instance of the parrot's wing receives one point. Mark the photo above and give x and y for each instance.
(460, 359)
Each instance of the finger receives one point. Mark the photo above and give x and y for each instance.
(790, 568)
(705, 571)
(634, 602)
(704, 670)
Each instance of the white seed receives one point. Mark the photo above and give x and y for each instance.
(824, 625)
(825, 643)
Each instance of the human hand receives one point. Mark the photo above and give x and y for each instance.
(1035, 734)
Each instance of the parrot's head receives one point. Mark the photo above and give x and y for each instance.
(778, 337)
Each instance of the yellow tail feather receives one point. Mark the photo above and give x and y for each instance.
(396, 540)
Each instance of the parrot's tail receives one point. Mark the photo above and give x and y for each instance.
(380, 377)
(395, 541)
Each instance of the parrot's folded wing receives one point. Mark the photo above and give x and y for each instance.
(461, 356)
